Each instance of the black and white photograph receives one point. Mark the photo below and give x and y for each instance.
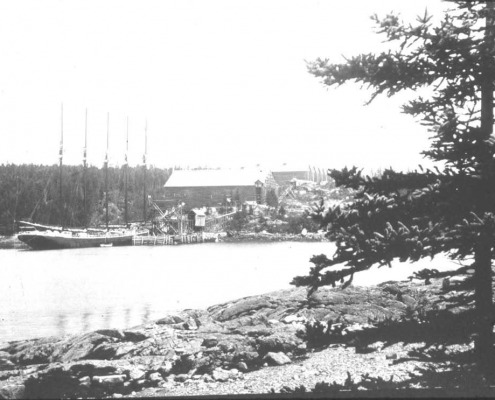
(247, 199)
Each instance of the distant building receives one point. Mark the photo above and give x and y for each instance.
(213, 188)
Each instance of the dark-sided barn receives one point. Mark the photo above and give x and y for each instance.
(213, 188)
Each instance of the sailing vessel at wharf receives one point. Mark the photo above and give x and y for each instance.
(49, 240)
(43, 237)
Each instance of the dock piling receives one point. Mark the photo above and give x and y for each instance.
(167, 240)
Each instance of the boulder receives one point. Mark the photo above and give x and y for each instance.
(249, 357)
(408, 300)
(220, 375)
(326, 298)
(10, 390)
(114, 333)
(104, 351)
(377, 346)
(392, 288)
(6, 364)
(241, 366)
(226, 346)
(280, 341)
(276, 359)
(80, 347)
(458, 279)
(289, 319)
(109, 381)
(139, 383)
(184, 364)
(209, 342)
(190, 325)
(155, 377)
(136, 373)
(363, 349)
(85, 381)
(257, 332)
(38, 353)
(245, 306)
(149, 363)
(165, 368)
(135, 336)
(181, 378)
(123, 349)
(170, 320)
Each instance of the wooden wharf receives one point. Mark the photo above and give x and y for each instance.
(164, 240)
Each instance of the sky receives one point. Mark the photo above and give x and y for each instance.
(217, 83)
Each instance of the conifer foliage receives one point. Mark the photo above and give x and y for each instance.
(451, 208)
(30, 192)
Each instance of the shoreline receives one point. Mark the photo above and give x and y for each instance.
(272, 237)
(215, 350)
(11, 242)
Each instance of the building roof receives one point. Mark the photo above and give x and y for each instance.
(216, 177)
(199, 211)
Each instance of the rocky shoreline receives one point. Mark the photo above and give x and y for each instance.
(208, 351)
(234, 237)
(11, 242)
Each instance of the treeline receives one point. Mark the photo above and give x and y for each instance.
(32, 193)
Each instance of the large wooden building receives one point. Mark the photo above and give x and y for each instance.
(284, 174)
(213, 188)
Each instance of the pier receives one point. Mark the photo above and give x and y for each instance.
(164, 240)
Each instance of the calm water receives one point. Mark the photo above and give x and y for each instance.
(54, 292)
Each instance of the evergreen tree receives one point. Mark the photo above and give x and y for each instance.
(451, 209)
(272, 198)
(31, 192)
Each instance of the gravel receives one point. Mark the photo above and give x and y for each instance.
(329, 365)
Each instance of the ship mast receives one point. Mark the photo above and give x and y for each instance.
(60, 156)
(126, 172)
(144, 169)
(85, 165)
(106, 173)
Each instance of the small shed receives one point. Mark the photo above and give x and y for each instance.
(198, 216)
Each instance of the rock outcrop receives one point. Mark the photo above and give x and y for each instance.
(220, 343)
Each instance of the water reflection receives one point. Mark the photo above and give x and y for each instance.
(127, 316)
(107, 318)
(85, 321)
(61, 324)
(146, 313)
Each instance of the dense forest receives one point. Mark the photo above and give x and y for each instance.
(32, 193)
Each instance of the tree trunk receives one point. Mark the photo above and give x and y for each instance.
(483, 304)
(483, 251)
